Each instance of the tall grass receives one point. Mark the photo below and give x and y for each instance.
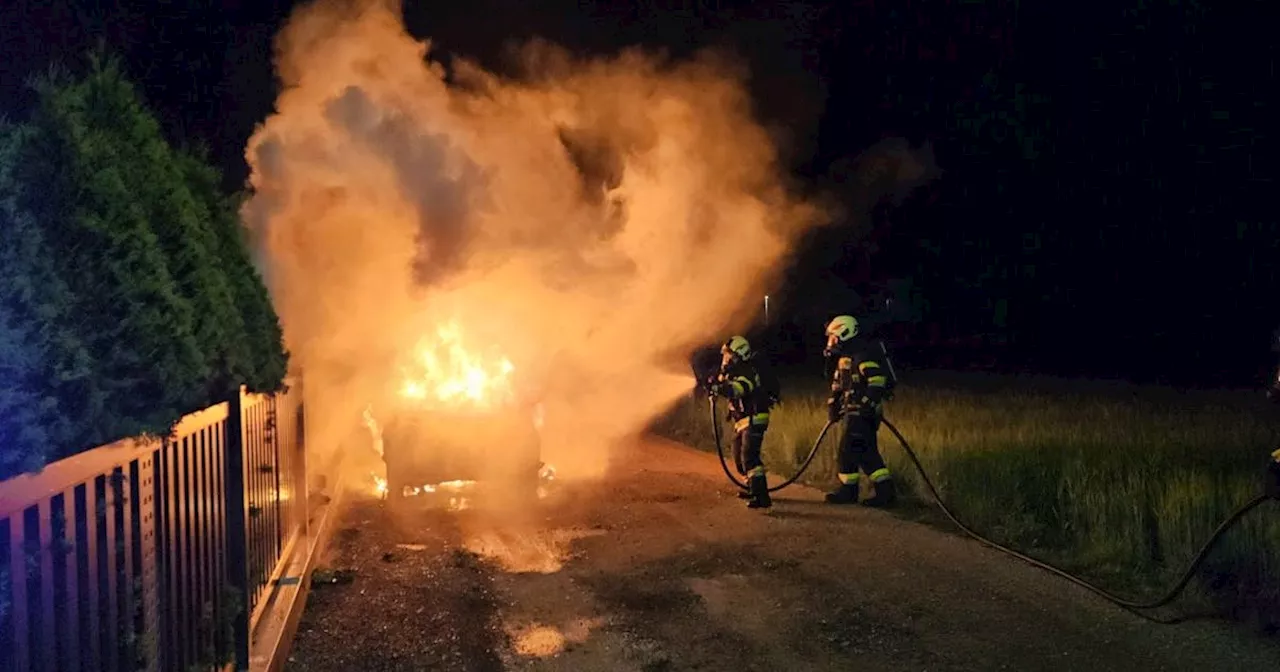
(1121, 483)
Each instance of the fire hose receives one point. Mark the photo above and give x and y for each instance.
(742, 485)
(1135, 606)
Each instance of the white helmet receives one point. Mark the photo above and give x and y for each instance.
(737, 348)
(841, 329)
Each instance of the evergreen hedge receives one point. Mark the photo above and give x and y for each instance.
(127, 295)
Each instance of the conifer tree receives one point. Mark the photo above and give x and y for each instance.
(265, 361)
(181, 221)
(48, 393)
(73, 171)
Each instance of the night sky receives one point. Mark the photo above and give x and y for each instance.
(1107, 206)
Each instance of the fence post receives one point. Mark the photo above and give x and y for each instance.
(236, 521)
(301, 486)
(146, 486)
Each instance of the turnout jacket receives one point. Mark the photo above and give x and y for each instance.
(860, 377)
(742, 386)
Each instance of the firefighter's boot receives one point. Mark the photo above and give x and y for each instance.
(885, 495)
(745, 494)
(847, 493)
(758, 496)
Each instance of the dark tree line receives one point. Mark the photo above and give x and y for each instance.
(1106, 202)
(127, 294)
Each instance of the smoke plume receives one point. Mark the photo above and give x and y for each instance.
(593, 219)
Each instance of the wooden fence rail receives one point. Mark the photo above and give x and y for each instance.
(154, 554)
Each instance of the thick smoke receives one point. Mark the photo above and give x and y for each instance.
(595, 220)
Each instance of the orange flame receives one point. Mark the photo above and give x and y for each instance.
(447, 374)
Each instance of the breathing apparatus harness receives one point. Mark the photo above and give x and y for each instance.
(1136, 607)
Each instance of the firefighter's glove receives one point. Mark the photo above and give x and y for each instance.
(1272, 483)
(708, 385)
(719, 389)
(868, 409)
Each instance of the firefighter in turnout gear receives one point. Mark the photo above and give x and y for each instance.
(858, 389)
(739, 382)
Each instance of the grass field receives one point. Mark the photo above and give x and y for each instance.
(1120, 483)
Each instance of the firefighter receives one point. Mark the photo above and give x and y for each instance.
(739, 382)
(858, 388)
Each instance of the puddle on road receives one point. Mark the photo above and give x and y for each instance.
(527, 551)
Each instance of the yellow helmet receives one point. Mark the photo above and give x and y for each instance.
(736, 347)
(842, 328)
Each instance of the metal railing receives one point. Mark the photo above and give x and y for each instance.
(154, 554)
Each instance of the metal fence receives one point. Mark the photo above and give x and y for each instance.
(154, 554)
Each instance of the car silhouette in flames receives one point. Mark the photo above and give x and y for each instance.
(460, 418)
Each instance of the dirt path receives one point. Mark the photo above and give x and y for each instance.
(662, 569)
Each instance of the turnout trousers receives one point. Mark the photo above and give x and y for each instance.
(747, 443)
(859, 449)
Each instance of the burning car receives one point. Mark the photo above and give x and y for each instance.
(459, 417)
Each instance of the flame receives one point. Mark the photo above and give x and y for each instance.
(446, 373)
(455, 486)
(379, 486)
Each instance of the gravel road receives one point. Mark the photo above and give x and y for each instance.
(661, 568)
